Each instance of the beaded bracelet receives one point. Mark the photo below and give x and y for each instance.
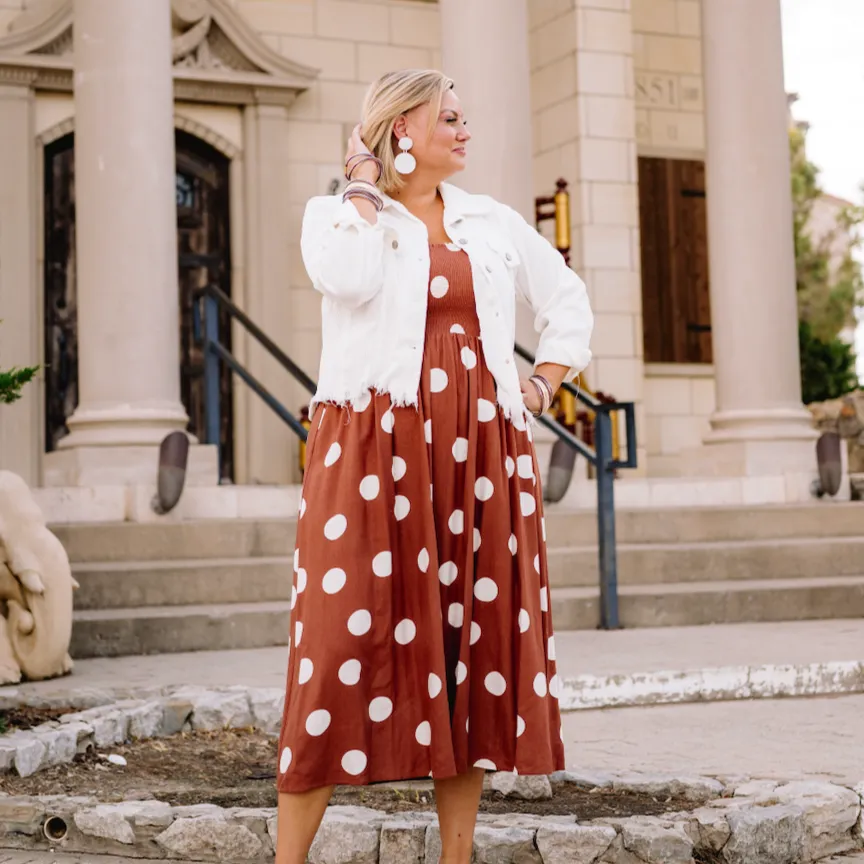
(544, 391)
(365, 195)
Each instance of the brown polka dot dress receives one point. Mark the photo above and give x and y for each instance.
(421, 637)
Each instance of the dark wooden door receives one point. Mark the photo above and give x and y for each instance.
(676, 310)
(203, 239)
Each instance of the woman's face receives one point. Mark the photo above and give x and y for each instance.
(444, 153)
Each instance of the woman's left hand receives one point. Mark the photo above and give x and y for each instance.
(530, 396)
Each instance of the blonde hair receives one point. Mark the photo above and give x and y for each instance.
(391, 96)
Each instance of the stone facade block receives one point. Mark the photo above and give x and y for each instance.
(614, 204)
(689, 18)
(603, 74)
(543, 11)
(655, 16)
(553, 40)
(620, 376)
(703, 394)
(677, 130)
(554, 83)
(613, 336)
(349, 19)
(674, 54)
(316, 142)
(283, 18)
(605, 161)
(374, 60)
(668, 395)
(602, 30)
(415, 25)
(606, 246)
(617, 290)
(610, 117)
(336, 58)
(340, 101)
(559, 124)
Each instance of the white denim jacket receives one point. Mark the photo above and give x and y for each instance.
(375, 281)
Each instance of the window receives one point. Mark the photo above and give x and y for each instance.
(676, 310)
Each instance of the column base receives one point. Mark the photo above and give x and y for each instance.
(124, 466)
(777, 425)
(123, 426)
(768, 458)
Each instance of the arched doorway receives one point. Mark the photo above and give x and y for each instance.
(204, 244)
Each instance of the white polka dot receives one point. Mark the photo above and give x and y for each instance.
(431, 492)
(380, 708)
(555, 687)
(438, 380)
(485, 590)
(456, 614)
(527, 503)
(424, 733)
(518, 420)
(458, 330)
(475, 633)
(354, 762)
(525, 467)
(423, 560)
(301, 580)
(529, 433)
(363, 402)
(333, 455)
(461, 672)
(335, 527)
(456, 522)
(293, 596)
(467, 723)
(453, 247)
(510, 465)
(486, 410)
(401, 508)
(513, 544)
(550, 649)
(349, 672)
(298, 632)
(447, 573)
(469, 358)
(524, 620)
(405, 631)
(543, 526)
(370, 486)
(544, 599)
(400, 467)
(318, 722)
(520, 726)
(537, 563)
(388, 420)
(382, 564)
(306, 670)
(435, 685)
(427, 431)
(478, 539)
(540, 684)
(334, 581)
(360, 622)
(488, 764)
(302, 507)
(460, 449)
(285, 760)
(296, 560)
(495, 683)
(439, 286)
(483, 488)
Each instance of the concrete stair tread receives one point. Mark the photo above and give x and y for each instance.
(717, 545)
(219, 610)
(119, 567)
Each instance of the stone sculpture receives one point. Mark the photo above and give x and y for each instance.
(36, 587)
(846, 417)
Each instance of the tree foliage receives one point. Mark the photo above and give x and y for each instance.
(12, 382)
(829, 283)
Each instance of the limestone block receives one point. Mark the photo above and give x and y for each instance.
(527, 787)
(272, 829)
(208, 836)
(655, 841)
(433, 842)
(581, 779)
(7, 756)
(759, 790)
(106, 821)
(221, 710)
(661, 786)
(712, 828)
(505, 846)
(573, 844)
(153, 813)
(61, 742)
(342, 839)
(30, 753)
(21, 816)
(267, 704)
(145, 721)
(175, 714)
(830, 814)
(769, 835)
(110, 725)
(403, 841)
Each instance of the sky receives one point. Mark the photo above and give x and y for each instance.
(824, 65)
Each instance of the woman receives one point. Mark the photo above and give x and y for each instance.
(421, 636)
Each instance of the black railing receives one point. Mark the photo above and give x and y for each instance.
(601, 456)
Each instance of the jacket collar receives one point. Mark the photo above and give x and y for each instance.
(457, 203)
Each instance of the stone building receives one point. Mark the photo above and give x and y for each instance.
(666, 117)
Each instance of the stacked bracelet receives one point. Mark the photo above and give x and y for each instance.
(362, 157)
(544, 391)
(365, 190)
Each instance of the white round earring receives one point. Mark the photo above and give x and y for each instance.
(405, 162)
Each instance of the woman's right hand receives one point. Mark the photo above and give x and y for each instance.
(367, 170)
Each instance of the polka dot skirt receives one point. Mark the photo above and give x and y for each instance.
(421, 639)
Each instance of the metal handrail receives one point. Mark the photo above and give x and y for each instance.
(601, 456)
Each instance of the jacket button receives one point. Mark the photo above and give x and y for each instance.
(395, 244)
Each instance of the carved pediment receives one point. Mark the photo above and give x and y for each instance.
(217, 55)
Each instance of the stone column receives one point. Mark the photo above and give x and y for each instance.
(485, 52)
(759, 414)
(126, 226)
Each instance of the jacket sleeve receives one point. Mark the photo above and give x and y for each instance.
(556, 295)
(342, 252)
